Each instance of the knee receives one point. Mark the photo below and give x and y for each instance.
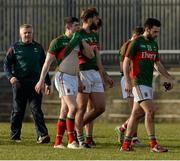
(81, 111)
(72, 109)
(149, 114)
(138, 114)
(135, 115)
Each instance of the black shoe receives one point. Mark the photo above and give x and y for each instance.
(43, 139)
(84, 146)
(90, 142)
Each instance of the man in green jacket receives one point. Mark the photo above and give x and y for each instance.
(22, 65)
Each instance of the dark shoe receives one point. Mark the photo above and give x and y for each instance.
(43, 139)
(158, 149)
(136, 142)
(90, 142)
(84, 146)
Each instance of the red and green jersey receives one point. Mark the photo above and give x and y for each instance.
(62, 46)
(143, 54)
(92, 39)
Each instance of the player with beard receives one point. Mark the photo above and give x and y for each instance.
(143, 53)
(90, 76)
(90, 70)
(89, 127)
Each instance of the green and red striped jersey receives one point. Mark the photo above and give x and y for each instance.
(143, 54)
(92, 39)
(62, 46)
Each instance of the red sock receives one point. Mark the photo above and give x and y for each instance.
(60, 129)
(70, 129)
(126, 144)
(88, 139)
(153, 142)
(123, 127)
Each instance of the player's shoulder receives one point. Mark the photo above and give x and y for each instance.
(58, 39)
(136, 41)
(126, 44)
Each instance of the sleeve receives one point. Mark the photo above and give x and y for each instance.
(54, 46)
(132, 49)
(75, 40)
(9, 60)
(42, 60)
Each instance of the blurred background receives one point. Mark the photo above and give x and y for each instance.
(119, 18)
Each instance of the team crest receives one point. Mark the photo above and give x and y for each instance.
(68, 90)
(146, 94)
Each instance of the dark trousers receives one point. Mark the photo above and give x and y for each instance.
(24, 93)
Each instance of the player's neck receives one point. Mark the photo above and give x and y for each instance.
(86, 27)
(145, 36)
(68, 34)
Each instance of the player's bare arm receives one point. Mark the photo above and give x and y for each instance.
(105, 76)
(160, 68)
(40, 84)
(126, 64)
(88, 52)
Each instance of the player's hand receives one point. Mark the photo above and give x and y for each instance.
(81, 86)
(47, 90)
(109, 81)
(14, 81)
(128, 88)
(39, 86)
(168, 85)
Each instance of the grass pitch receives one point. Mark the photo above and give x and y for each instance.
(106, 149)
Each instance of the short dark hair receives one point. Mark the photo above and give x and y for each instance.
(150, 22)
(88, 13)
(138, 30)
(70, 20)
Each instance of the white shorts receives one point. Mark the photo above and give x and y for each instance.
(124, 93)
(66, 84)
(92, 81)
(142, 92)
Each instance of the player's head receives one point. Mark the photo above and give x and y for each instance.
(137, 32)
(71, 24)
(152, 28)
(89, 16)
(97, 25)
(26, 33)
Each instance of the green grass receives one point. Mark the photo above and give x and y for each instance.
(106, 149)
